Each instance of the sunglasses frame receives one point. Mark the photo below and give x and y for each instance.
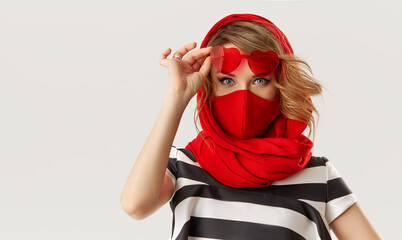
(261, 63)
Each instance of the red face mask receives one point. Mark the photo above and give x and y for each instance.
(244, 114)
(226, 60)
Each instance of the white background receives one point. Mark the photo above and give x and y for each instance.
(81, 87)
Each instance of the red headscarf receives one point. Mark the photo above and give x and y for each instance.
(254, 162)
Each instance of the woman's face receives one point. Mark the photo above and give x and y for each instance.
(242, 78)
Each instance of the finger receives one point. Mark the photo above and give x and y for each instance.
(196, 66)
(206, 67)
(185, 49)
(198, 63)
(163, 56)
(197, 55)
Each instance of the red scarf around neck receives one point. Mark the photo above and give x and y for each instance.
(255, 162)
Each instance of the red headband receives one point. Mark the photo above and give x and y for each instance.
(250, 17)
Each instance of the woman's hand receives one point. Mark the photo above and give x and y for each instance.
(184, 78)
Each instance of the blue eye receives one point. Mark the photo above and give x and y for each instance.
(263, 80)
(223, 81)
(229, 81)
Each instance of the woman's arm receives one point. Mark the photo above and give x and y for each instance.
(140, 196)
(353, 225)
(147, 187)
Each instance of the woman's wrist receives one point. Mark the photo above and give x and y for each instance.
(177, 98)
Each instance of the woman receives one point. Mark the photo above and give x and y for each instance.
(250, 173)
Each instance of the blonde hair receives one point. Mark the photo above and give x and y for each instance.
(295, 85)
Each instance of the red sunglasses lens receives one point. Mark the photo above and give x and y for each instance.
(263, 63)
(225, 60)
(217, 57)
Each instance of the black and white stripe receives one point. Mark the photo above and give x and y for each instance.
(298, 207)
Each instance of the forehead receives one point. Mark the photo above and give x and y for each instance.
(231, 45)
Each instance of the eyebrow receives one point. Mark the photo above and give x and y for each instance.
(232, 75)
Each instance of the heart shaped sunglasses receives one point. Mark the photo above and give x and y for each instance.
(226, 60)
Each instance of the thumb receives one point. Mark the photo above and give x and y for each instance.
(206, 67)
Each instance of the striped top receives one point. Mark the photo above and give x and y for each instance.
(299, 207)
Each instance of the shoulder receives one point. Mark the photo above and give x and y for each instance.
(180, 157)
(175, 153)
(323, 162)
(317, 161)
